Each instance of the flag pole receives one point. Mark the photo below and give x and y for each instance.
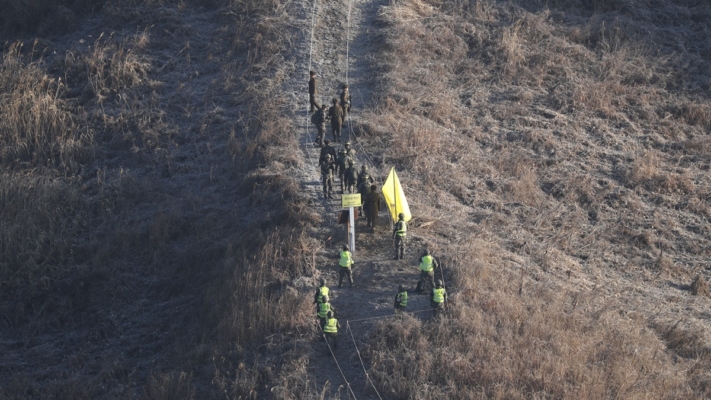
(395, 191)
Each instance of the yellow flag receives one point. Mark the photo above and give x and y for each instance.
(395, 197)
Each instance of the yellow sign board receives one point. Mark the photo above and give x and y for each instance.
(350, 200)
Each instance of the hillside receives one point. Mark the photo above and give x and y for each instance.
(163, 229)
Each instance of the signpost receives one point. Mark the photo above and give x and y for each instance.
(350, 201)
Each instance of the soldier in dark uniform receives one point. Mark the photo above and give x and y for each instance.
(312, 92)
(351, 178)
(327, 167)
(342, 165)
(351, 153)
(319, 119)
(372, 206)
(335, 113)
(364, 181)
(345, 101)
(400, 236)
(327, 149)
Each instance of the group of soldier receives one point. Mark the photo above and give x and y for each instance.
(336, 113)
(342, 164)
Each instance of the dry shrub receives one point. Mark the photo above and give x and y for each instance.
(699, 287)
(39, 220)
(112, 67)
(500, 345)
(646, 172)
(169, 386)
(37, 126)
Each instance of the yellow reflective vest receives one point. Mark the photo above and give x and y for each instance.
(426, 263)
(323, 309)
(401, 228)
(322, 291)
(331, 326)
(438, 295)
(402, 297)
(346, 259)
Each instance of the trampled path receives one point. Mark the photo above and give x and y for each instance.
(376, 274)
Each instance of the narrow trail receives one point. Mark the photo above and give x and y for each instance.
(376, 274)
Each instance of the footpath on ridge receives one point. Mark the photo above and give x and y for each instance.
(324, 39)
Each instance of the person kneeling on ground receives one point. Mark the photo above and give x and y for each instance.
(400, 299)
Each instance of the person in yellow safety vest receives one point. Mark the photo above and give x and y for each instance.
(321, 291)
(428, 264)
(346, 262)
(400, 299)
(330, 329)
(439, 298)
(400, 235)
(322, 310)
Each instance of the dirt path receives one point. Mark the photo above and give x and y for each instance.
(376, 274)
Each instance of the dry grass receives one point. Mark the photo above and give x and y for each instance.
(125, 196)
(576, 144)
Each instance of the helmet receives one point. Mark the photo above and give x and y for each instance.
(427, 252)
(400, 288)
(342, 151)
(439, 283)
(329, 314)
(322, 281)
(363, 168)
(325, 298)
(401, 216)
(328, 156)
(347, 144)
(345, 247)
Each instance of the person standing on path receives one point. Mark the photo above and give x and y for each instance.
(313, 92)
(438, 300)
(346, 262)
(327, 167)
(345, 101)
(350, 152)
(427, 266)
(321, 291)
(319, 119)
(327, 149)
(330, 329)
(372, 206)
(351, 178)
(400, 236)
(400, 299)
(336, 115)
(342, 166)
(322, 310)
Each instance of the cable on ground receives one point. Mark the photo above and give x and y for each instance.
(367, 376)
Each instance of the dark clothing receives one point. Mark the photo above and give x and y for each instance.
(327, 176)
(343, 164)
(319, 119)
(425, 276)
(351, 178)
(332, 339)
(328, 149)
(312, 95)
(312, 86)
(399, 247)
(346, 102)
(399, 240)
(336, 115)
(345, 271)
(371, 205)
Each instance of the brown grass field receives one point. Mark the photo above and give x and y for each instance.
(152, 231)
